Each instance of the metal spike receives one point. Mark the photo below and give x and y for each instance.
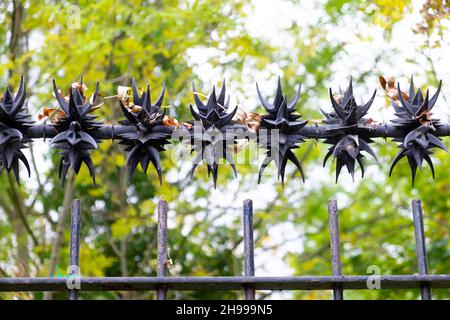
(435, 96)
(291, 156)
(265, 163)
(160, 99)
(132, 161)
(363, 110)
(404, 103)
(19, 98)
(293, 102)
(279, 95)
(430, 163)
(413, 166)
(90, 165)
(361, 165)
(221, 99)
(336, 106)
(24, 160)
(62, 103)
(146, 100)
(136, 96)
(435, 141)
(269, 108)
(339, 165)
(198, 102)
(397, 158)
(7, 100)
(212, 102)
(154, 158)
(365, 146)
(327, 156)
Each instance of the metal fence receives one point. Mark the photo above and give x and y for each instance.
(147, 129)
(249, 282)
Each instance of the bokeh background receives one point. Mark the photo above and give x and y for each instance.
(319, 43)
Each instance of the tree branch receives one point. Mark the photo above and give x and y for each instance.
(15, 197)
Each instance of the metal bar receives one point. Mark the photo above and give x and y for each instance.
(107, 131)
(249, 257)
(335, 246)
(223, 283)
(161, 292)
(384, 130)
(421, 250)
(75, 224)
(321, 131)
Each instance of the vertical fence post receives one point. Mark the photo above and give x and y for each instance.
(249, 256)
(421, 250)
(161, 293)
(335, 246)
(74, 266)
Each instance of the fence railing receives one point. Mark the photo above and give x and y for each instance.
(215, 131)
(249, 282)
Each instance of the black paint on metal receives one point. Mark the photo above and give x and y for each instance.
(75, 225)
(249, 255)
(335, 246)
(163, 256)
(421, 249)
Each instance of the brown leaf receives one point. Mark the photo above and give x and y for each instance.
(382, 82)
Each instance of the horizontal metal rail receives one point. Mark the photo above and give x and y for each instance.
(224, 283)
(109, 131)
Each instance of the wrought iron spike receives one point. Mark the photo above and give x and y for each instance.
(75, 131)
(14, 124)
(213, 120)
(417, 126)
(345, 139)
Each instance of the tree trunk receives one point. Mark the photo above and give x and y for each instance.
(16, 32)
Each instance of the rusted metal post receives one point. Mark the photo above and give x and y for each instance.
(74, 267)
(335, 246)
(249, 256)
(421, 250)
(161, 293)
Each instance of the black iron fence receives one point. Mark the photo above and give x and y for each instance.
(212, 136)
(249, 282)
(214, 131)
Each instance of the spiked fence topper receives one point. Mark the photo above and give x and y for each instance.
(414, 119)
(75, 130)
(14, 123)
(282, 133)
(216, 132)
(144, 144)
(213, 140)
(348, 135)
